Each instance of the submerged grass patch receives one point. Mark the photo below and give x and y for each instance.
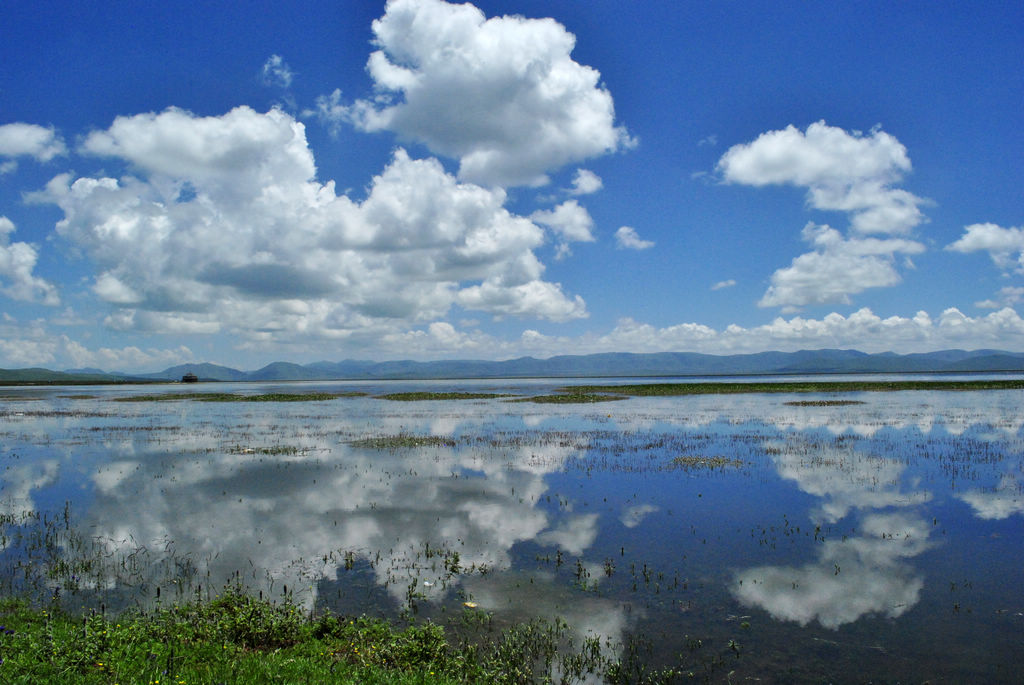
(274, 450)
(422, 396)
(823, 403)
(572, 398)
(231, 397)
(691, 463)
(669, 389)
(385, 442)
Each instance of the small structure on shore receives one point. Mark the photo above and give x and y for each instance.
(190, 378)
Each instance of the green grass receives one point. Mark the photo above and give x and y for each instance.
(230, 397)
(670, 389)
(272, 450)
(690, 463)
(385, 442)
(425, 396)
(823, 403)
(232, 639)
(235, 638)
(570, 396)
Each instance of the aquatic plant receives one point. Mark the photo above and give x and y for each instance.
(823, 403)
(692, 463)
(423, 396)
(717, 388)
(402, 440)
(231, 397)
(571, 398)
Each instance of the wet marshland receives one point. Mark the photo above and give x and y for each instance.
(783, 537)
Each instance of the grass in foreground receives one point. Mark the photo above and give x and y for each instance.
(669, 389)
(229, 397)
(233, 639)
(236, 638)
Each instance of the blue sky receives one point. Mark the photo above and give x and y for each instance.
(424, 180)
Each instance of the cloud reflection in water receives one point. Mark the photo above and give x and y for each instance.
(282, 495)
(849, 579)
(998, 503)
(855, 576)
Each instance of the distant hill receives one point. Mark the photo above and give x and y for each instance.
(87, 371)
(628, 364)
(565, 366)
(37, 376)
(205, 372)
(286, 371)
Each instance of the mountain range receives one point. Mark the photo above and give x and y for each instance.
(564, 366)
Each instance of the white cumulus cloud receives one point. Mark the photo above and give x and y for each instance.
(836, 269)
(626, 238)
(29, 140)
(537, 297)
(586, 182)
(221, 225)
(842, 171)
(330, 111)
(33, 343)
(276, 72)
(129, 358)
(502, 95)
(1006, 297)
(569, 221)
(1004, 245)
(17, 262)
(863, 330)
(26, 343)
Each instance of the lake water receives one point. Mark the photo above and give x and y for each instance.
(741, 537)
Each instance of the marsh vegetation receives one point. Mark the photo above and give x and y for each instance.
(782, 386)
(424, 395)
(667, 537)
(238, 397)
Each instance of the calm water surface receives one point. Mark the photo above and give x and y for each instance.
(743, 537)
